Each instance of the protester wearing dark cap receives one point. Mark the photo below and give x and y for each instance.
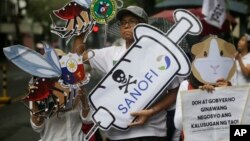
(150, 124)
(136, 11)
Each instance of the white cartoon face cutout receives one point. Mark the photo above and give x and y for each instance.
(213, 60)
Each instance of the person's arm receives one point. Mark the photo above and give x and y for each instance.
(207, 87)
(245, 69)
(79, 47)
(223, 83)
(85, 111)
(219, 83)
(166, 102)
(84, 102)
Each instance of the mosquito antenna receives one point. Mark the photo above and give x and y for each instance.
(52, 20)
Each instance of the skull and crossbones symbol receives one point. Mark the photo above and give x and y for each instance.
(120, 77)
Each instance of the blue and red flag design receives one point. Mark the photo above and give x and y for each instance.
(72, 69)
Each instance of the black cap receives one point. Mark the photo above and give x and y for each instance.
(134, 10)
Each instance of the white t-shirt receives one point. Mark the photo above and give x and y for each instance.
(240, 79)
(178, 108)
(66, 127)
(104, 60)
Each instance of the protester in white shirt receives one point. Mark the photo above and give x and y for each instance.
(65, 125)
(150, 124)
(243, 61)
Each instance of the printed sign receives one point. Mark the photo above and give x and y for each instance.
(209, 116)
(215, 12)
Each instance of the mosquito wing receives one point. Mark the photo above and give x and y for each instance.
(30, 61)
(51, 57)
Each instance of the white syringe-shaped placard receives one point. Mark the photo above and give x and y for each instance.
(186, 23)
(141, 72)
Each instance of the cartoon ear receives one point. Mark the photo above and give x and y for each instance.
(230, 49)
(197, 48)
(30, 61)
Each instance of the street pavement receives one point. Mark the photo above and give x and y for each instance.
(14, 117)
(15, 125)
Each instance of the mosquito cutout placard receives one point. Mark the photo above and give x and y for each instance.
(50, 95)
(140, 76)
(77, 17)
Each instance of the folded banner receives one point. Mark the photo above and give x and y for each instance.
(141, 75)
(209, 116)
(214, 11)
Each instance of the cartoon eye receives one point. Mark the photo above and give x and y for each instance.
(205, 53)
(221, 53)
